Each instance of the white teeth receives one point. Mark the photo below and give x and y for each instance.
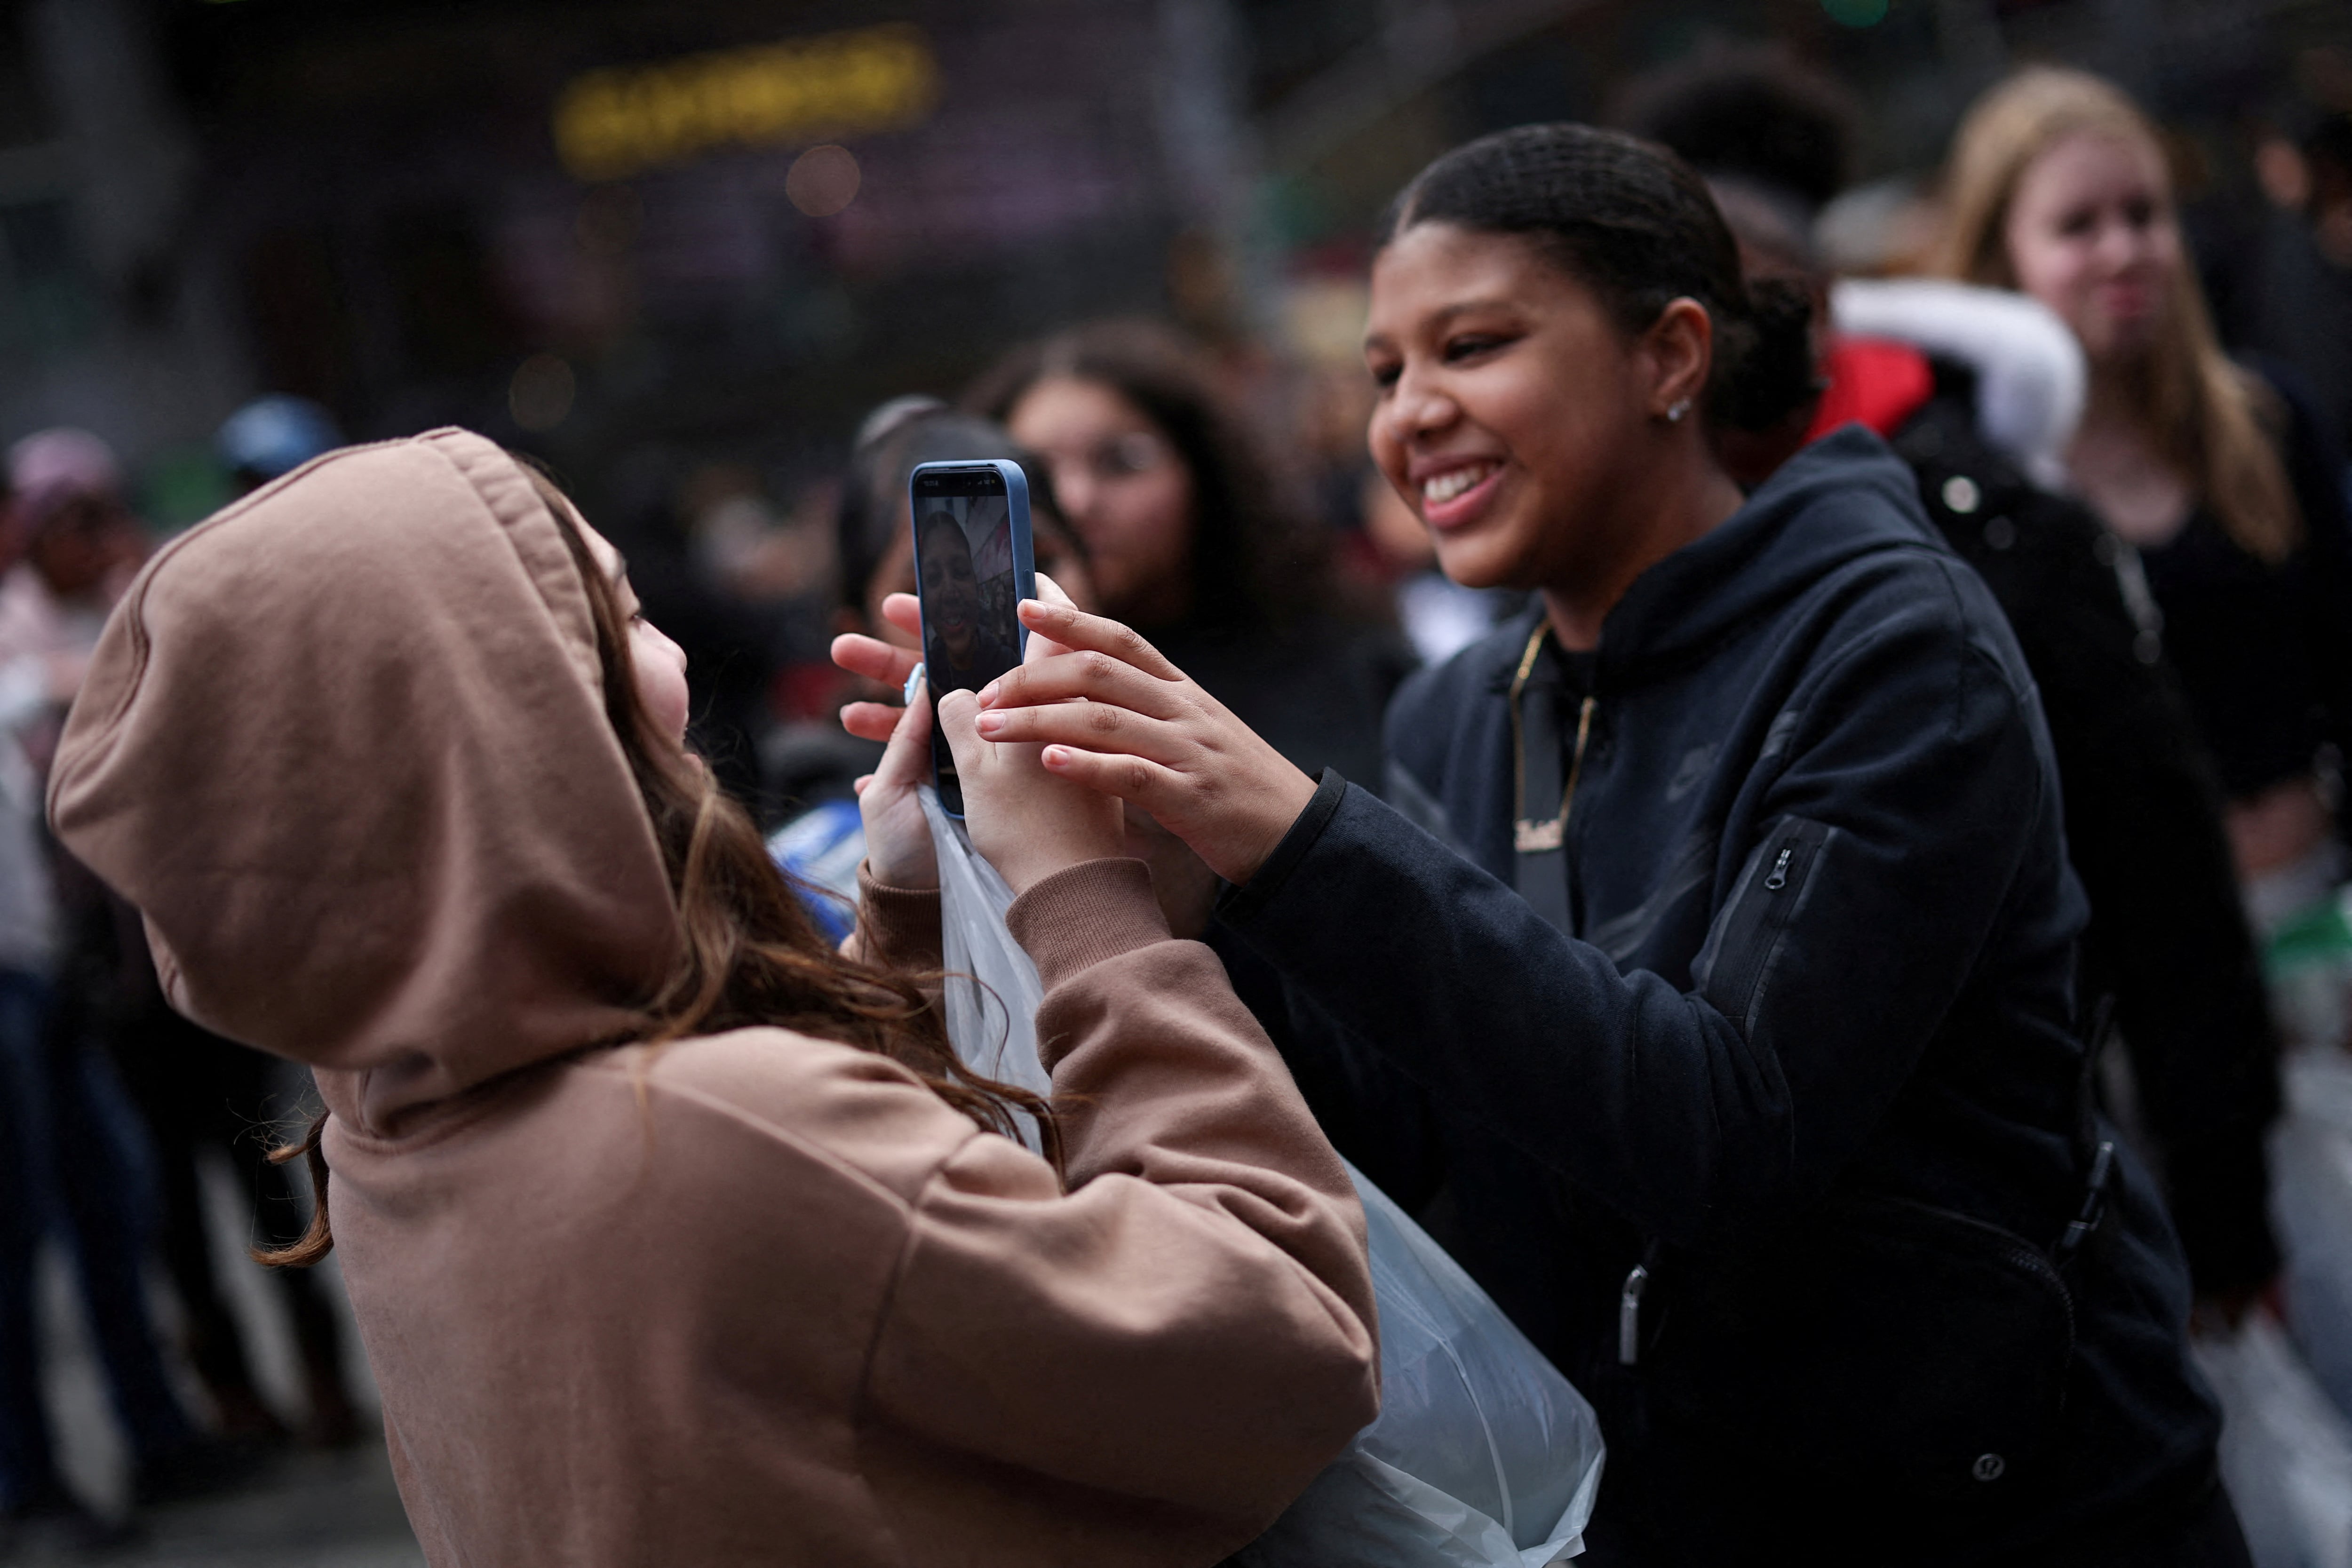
(1444, 486)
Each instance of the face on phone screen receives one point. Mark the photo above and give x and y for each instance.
(966, 564)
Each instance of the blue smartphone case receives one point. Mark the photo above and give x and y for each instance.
(1024, 579)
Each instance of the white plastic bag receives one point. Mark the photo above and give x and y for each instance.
(992, 989)
(1483, 1457)
(2286, 1454)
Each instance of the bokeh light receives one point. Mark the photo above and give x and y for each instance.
(823, 180)
(542, 391)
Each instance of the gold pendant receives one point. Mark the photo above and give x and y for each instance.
(1536, 837)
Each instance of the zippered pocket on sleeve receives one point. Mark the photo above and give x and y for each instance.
(1759, 918)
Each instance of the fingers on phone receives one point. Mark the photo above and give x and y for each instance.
(1080, 632)
(1145, 782)
(1092, 677)
(1095, 726)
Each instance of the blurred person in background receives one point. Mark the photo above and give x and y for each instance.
(730, 643)
(197, 1092)
(73, 1161)
(2276, 263)
(271, 437)
(1737, 984)
(80, 543)
(194, 1091)
(816, 766)
(676, 1234)
(775, 566)
(2222, 480)
(1960, 380)
(1193, 539)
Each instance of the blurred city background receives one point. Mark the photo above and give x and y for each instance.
(681, 249)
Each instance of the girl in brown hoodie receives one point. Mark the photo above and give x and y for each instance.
(675, 1238)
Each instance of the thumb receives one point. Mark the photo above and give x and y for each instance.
(957, 711)
(1040, 647)
(906, 761)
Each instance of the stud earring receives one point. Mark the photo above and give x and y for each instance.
(1674, 415)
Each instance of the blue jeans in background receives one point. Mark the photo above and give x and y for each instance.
(72, 1165)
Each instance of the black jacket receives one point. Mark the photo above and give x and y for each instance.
(1811, 1059)
(2167, 937)
(2265, 651)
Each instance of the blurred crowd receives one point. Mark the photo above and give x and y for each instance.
(2130, 418)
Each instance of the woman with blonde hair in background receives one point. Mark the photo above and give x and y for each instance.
(2220, 481)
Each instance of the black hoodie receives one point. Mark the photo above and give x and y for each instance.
(1809, 1058)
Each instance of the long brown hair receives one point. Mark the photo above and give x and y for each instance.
(1261, 560)
(2196, 405)
(750, 954)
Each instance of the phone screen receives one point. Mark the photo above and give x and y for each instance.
(972, 568)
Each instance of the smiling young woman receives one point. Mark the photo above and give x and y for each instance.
(1705, 977)
(1475, 348)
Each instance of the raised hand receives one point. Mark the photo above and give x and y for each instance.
(880, 661)
(1113, 714)
(1024, 821)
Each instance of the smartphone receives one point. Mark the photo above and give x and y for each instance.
(973, 568)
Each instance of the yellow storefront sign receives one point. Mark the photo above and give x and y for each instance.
(613, 122)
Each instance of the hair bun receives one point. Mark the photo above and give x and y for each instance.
(1764, 363)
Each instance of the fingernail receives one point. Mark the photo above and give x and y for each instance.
(1054, 756)
(989, 723)
(988, 694)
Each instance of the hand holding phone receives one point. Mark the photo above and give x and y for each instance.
(1023, 820)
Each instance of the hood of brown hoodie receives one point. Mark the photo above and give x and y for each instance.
(344, 746)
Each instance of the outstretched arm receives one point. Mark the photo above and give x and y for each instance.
(1114, 714)
(1908, 793)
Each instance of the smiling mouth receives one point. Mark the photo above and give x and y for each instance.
(1439, 488)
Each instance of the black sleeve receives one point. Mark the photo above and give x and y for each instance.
(1375, 1116)
(1909, 797)
(2316, 470)
(2167, 937)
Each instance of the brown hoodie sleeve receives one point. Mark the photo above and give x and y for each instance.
(1193, 1323)
(898, 928)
